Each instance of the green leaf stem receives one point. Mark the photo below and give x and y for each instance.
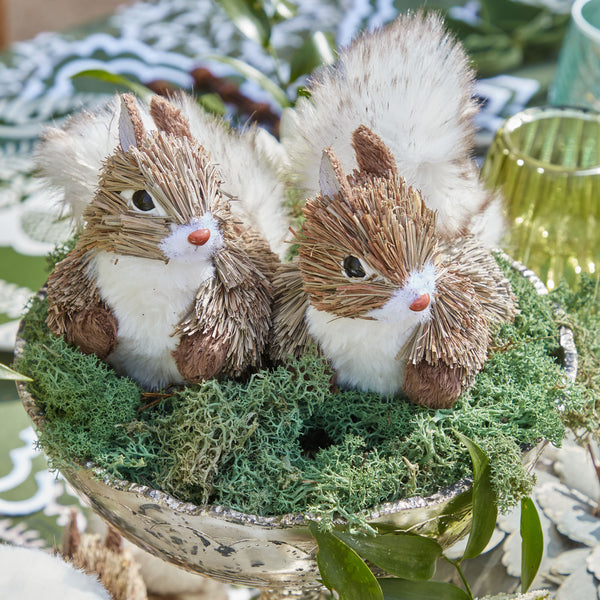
(252, 74)
(317, 50)
(10, 374)
(115, 79)
(250, 18)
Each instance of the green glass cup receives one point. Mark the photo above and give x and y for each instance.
(546, 163)
(577, 78)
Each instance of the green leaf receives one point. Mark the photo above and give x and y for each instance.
(343, 570)
(212, 103)
(532, 543)
(317, 50)
(508, 14)
(478, 456)
(398, 589)
(405, 555)
(252, 74)
(282, 10)
(113, 78)
(8, 373)
(303, 92)
(250, 18)
(493, 53)
(485, 509)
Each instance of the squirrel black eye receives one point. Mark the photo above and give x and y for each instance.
(352, 267)
(142, 200)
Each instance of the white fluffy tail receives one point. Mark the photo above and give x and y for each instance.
(411, 83)
(70, 159)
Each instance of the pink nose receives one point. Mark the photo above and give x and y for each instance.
(421, 303)
(199, 237)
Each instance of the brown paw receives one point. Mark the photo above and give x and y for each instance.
(434, 386)
(93, 331)
(200, 357)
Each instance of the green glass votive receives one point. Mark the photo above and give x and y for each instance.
(546, 163)
(577, 78)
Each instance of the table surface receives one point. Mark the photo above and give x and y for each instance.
(147, 41)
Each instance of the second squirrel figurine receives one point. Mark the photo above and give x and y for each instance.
(392, 306)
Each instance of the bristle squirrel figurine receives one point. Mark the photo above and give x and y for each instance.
(390, 305)
(411, 84)
(163, 283)
(71, 157)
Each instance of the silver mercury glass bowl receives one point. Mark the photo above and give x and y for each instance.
(275, 553)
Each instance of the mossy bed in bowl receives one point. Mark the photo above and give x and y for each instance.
(284, 443)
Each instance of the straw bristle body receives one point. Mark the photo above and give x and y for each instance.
(233, 309)
(289, 335)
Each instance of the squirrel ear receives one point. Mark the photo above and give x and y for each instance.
(131, 128)
(331, 175)
(168, 118)
(372, 155)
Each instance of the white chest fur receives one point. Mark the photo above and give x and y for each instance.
(148, 298)
(362, 351)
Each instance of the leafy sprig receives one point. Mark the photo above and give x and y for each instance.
(509, 34)
(411, 558)
(256, 20)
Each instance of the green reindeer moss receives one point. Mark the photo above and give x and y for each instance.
(285, 441)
